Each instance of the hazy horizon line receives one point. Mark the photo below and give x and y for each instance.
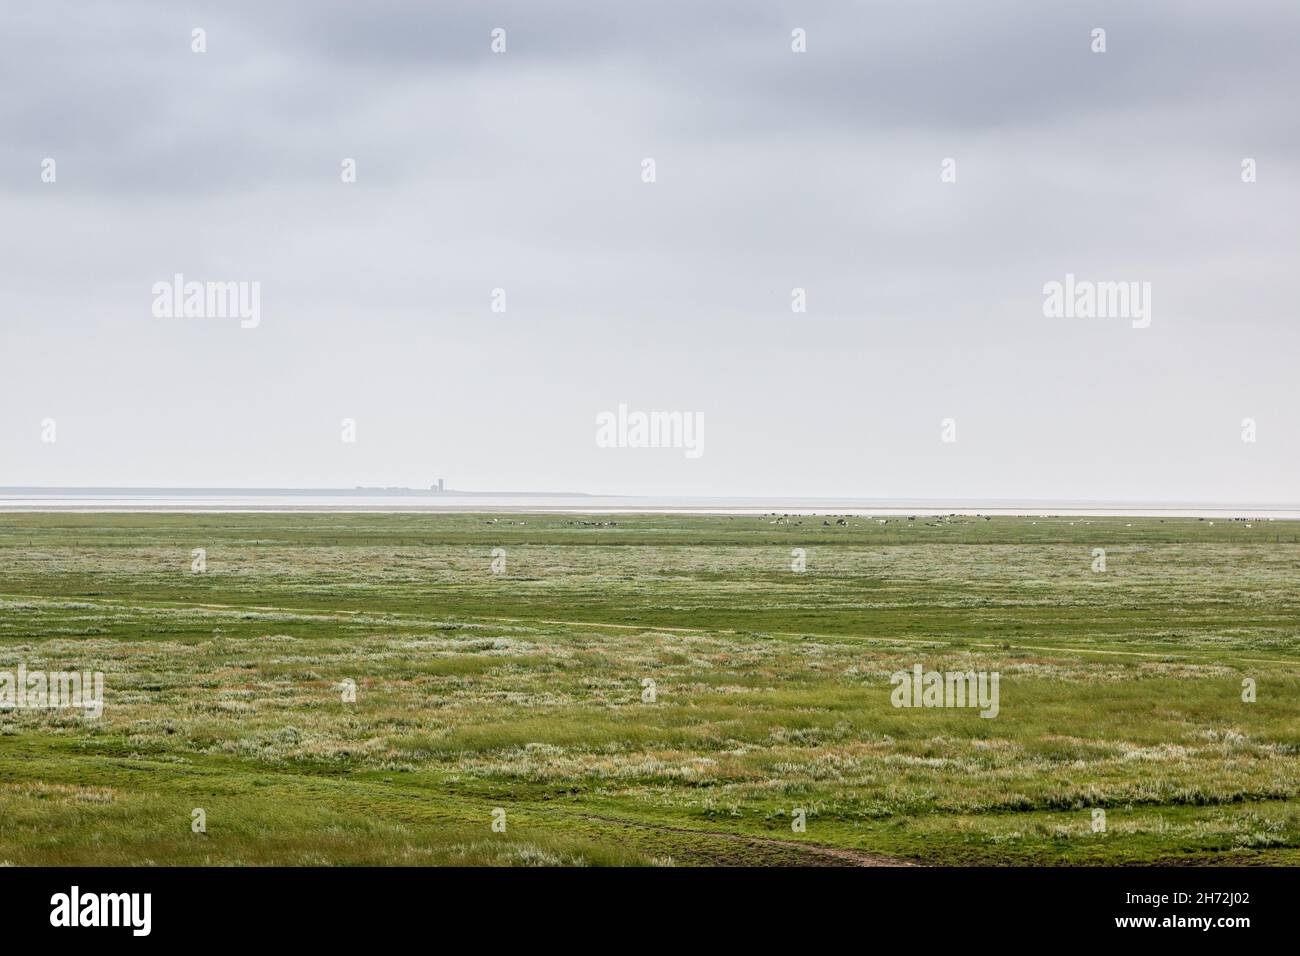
(34, 498)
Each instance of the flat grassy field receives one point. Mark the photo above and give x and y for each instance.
(524, 690)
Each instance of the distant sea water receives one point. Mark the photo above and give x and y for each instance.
(306, 500)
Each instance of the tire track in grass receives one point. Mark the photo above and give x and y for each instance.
(806, 854)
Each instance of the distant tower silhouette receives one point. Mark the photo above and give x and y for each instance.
(437, 487)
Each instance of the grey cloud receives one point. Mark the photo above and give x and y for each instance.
(775, 171)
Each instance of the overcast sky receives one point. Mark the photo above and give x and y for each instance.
(774, 169)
